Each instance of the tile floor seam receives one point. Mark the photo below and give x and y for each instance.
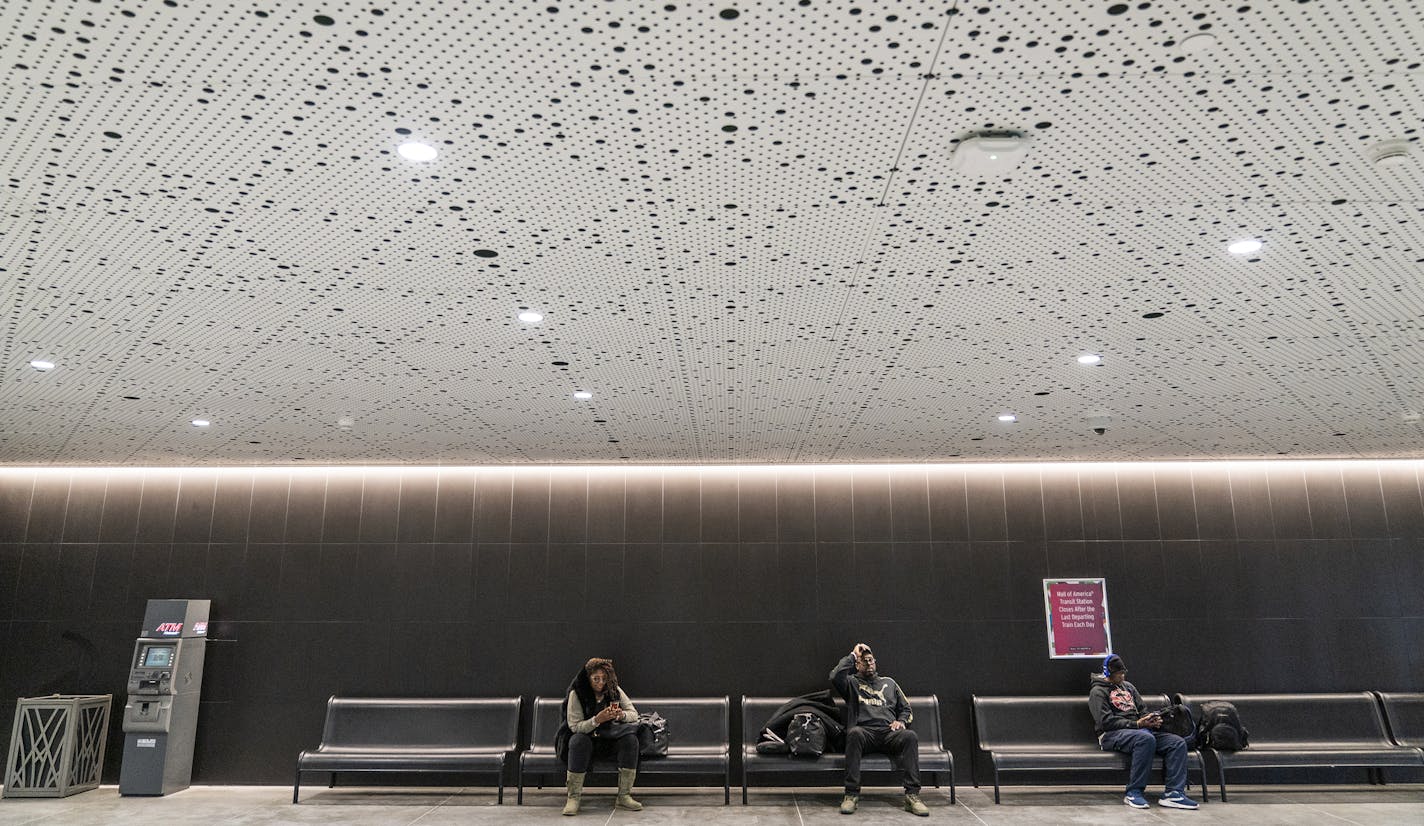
(797, 803)
(1331, 814)
(432, 809)
(960, 802)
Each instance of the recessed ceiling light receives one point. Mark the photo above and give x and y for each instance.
(42, 365)
(531, 317)
(1090, 358)
(201, 423)
(583, 394)
(1245, 247)
(418, 152)
(1008, 417)
(989, 155)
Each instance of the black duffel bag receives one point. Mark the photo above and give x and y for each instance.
(806, 735)
(653, 735)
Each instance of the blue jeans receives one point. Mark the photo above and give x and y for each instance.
(1142, 743)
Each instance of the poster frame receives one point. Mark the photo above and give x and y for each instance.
(1048, 616)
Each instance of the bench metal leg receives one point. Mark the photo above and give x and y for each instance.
(500, 798)
(519, 781)
(996, 783)
(744, 782)
(951, 787)
(331, 781)
(1221, 779)
(727, 786)
(297, 785)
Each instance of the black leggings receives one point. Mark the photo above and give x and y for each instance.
(583, 747)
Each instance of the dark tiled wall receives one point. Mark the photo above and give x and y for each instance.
(1247, 577)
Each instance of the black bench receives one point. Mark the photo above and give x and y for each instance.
(935, 759)
(697, 740)
(1404, 716)
(1052, 734)
(1308, 731)
(414, 735)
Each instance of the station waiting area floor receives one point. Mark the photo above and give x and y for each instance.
(211, 805)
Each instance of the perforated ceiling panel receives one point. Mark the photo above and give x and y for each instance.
(740, 220)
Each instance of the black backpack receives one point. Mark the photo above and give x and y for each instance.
(1221, 728)
(1177, 719)
(806, 735)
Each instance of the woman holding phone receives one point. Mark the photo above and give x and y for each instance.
(600, 720)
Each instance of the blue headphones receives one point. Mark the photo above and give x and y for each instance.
(1107, 663)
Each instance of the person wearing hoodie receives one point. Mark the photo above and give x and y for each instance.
(1124, 725)
(598, 719)
(877, 720)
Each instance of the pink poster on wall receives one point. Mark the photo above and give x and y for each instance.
(1077, 611)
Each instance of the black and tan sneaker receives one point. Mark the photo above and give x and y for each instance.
(848, 804)
(915, 806)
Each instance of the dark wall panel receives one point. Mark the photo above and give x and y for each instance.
(1244, 576)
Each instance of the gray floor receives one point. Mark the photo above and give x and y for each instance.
(431, 807)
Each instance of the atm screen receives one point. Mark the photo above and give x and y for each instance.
(158, 656)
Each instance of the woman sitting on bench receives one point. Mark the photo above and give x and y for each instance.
(599, 719)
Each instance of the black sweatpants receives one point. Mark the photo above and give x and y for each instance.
(903, 748)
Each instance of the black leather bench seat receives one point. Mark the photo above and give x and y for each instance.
(399, 734)
(697, 741)
(1052, 734)
(1404, 717)
(1308, 730)
(401, 760)
(936, 761)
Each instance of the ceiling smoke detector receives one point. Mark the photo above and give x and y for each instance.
(1197, 43)
(989, 156)
(1389, 154)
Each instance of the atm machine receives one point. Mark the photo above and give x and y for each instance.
(161, 715)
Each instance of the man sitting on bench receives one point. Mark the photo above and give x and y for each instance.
(1124, 725)
(877, 714)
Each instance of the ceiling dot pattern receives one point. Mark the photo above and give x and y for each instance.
(743, 230)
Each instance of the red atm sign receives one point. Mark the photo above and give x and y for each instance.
(169, 629)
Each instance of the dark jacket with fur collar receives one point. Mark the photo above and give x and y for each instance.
(582, 699)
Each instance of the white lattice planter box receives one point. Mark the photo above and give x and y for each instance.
(57, 745)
